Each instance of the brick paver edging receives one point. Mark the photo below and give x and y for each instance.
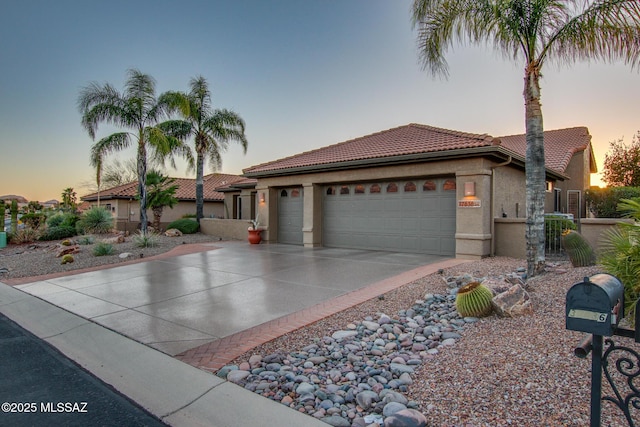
(216, 354)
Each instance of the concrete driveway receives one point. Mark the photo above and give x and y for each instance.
(178, 303)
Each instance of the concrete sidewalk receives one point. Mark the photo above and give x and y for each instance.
(175, 392)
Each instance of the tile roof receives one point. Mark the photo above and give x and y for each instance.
(404, 140)
(559, 146)
(416, 139)
(186, 188)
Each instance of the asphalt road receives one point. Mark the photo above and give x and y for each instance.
(40, 386)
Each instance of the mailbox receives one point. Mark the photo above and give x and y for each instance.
(595, 305)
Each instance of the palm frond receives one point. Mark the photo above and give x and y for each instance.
(108, 145)
(608, 30)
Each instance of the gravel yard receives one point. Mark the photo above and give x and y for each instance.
(39, 258)
(502, 372)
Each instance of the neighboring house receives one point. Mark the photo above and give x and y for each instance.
(124, 206)
(414, 188)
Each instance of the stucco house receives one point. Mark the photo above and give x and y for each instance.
(413, 188)
(124, 206)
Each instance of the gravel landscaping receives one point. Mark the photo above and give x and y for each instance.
(497, 372)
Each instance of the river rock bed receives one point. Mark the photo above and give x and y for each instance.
(357, 376)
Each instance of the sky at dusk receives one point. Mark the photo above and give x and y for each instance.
(302, 74)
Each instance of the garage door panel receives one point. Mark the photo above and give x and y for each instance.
(408, 221)
(290, 208)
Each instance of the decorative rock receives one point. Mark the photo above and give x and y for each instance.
(406, 418)
(391, 408)
(113, 240)
(513, 303)
(67, 250)
(237, 376)
(173, 232)
(366, 399)
(305, 388)
(336, 421)
(340, 335)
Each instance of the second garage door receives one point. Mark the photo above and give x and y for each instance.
(406, 216)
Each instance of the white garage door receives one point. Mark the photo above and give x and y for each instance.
(290, 208)
(406, 216)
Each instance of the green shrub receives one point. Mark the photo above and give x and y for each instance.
(33, 220)
(96, 220)
(148, 241)
(84, 240)
(603, 202)
(185, 225)
(102, 249)
(62, 219)
(189, 215)
(57, 233)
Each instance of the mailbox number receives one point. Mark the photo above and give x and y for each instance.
(588, 315)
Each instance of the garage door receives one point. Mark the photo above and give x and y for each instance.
(407, 216)
(290, 215)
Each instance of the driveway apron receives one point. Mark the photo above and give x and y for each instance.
(178, 303)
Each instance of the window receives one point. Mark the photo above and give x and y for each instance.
(557, 200)
(429, 186)
(283, 193)
(295, 193)
(392, 188)
(449, 185)
(331, 191)
(344, 189)
(359, 189)
(374, 189)
(409, 187)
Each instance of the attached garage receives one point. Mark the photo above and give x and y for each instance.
(415, 216)
(290, 209)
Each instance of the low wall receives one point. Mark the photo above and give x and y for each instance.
(227, 229)
(510, 234)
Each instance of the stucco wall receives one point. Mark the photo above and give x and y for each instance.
(227, 229)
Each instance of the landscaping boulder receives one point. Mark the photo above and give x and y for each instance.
(115, 239)
(512, 303)
(173, 232)
(66, 250)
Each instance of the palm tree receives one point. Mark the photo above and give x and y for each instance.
(138, 110)
(212, 129)
(161, 192)
(535, 31)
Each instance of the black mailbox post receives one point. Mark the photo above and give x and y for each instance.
(595, 305)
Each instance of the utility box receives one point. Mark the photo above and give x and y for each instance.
(595, 305)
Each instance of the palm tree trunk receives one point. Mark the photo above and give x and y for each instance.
(535, 173)
(142, 183)
(199, 185)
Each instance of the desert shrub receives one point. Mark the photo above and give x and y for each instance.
(84, 240)
(185, 225)
(24, 235)
(96, 220)
(102, 249)
(62, 219)
(33, 220)
(603, 202)
(57, 233)
(146, 241)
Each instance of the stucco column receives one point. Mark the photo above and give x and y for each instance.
(473, 214)
(311, 215)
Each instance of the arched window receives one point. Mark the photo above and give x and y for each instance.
(429, 186)
(344, 189)
(392, 188)
(331, 191)
(374, 189)
(283, 193)
(449, 185)
(359, 189)
(409, 187)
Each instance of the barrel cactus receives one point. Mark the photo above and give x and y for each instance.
(474, 300)
(578, 249)
(66, 259)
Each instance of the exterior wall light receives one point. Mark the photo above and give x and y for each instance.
(261, 197)
(469, 189)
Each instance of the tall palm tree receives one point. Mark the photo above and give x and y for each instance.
(535, 31)
(137, 109)
(212, 129)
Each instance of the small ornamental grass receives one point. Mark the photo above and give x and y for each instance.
(84, 240)
(102, 249)
(149, 240)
